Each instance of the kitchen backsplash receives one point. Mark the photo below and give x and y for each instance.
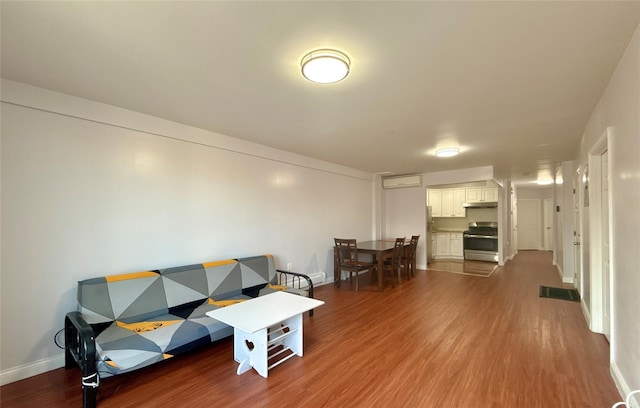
(473, 214)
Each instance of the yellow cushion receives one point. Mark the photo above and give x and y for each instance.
(278, 287)
(224, 303)
(134, 275)
(219, 263)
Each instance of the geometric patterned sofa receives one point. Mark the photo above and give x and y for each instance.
(125, 322)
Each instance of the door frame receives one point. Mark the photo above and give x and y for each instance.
(596, 306)
(605, 223)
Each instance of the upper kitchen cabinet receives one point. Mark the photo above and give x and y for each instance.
(481, 194)
(452, 203)
(434, 200)
(446, 202)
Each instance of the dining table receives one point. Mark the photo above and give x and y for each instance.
(380, 250)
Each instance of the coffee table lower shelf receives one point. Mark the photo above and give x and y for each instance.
(258, 349)
(267, 330)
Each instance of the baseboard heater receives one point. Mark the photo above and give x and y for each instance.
(317, 278)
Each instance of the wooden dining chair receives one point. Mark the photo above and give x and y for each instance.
(347, 257)
(392, 265)
(409, 259)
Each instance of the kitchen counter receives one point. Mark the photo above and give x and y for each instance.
(437, 230)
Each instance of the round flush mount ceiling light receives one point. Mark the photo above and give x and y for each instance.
(447, 152)
(325, 66)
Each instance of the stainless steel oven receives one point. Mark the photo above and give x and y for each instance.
(481, 241)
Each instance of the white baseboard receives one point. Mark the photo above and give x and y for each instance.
(29, 370)
(565, 279)
(623, 386)
(585, 312)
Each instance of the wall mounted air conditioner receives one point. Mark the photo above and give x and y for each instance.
(403, 181)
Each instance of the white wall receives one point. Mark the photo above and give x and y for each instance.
(91, 190)
(406, 216)
(507, 220)
(535, 193)
(619, 108)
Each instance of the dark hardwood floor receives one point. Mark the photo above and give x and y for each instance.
(440, 340)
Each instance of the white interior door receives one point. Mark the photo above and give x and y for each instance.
(577, 257)
(548, 223)
(606, 273)
(529, 224)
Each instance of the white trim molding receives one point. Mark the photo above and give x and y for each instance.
(595, 231)
(29, 370)
(623, 386)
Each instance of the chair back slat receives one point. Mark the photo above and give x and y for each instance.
(410, 256)
(414, 244)
(347, 250)
(398, 249)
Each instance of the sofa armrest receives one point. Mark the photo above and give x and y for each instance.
(297, 277)
(79, 340)
(80, 349)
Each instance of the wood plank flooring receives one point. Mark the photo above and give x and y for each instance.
(439, 340)
(475, 268)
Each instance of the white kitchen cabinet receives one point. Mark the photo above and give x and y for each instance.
(443, 245)
(434, 200)
(473, 195)
(481, 194)
(433, 248)
(459, 197)
(490, 194)
(447, 202)
(457, 250)
(448, 245)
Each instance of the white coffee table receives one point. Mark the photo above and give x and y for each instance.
(261, 325)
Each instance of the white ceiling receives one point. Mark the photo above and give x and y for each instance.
(511, 83)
